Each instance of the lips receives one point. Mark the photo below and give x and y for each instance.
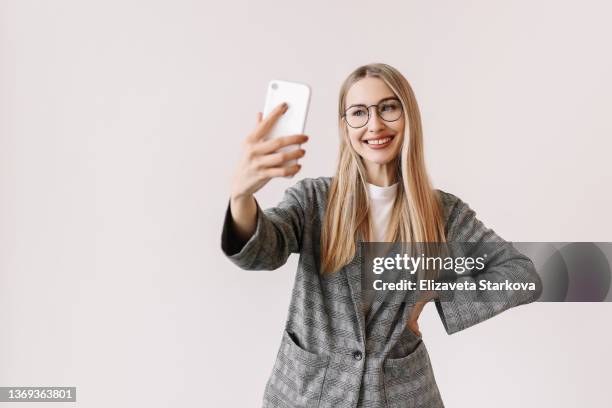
(379, 142)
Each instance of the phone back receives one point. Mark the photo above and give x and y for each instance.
(297, 97)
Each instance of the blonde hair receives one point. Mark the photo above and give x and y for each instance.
(416, 216)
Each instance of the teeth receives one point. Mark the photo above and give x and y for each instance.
(379, 141)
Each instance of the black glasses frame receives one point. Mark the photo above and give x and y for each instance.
(377, 112)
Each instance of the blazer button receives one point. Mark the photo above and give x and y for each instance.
(357, 355)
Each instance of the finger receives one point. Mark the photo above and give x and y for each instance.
(252, 137)
(270, 146)
(266, 124)
(287, 171)
(278, 159)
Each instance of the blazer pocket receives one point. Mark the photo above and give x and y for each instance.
(298, 374)
(409, 380)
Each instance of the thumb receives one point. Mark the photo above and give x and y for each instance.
(259, 117)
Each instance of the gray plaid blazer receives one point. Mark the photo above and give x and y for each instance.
(331, 353)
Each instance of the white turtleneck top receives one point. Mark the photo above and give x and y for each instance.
(381, 204)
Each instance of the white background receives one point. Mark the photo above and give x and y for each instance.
(119, 128)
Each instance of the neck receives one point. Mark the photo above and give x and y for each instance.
(382, 175)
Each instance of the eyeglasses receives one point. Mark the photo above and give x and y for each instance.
(358, 116)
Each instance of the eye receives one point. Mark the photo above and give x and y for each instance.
(358, 112)
(389, 107)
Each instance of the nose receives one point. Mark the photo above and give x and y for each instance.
(375, 124)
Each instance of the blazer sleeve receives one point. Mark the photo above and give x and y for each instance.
(506, 263)
(278, 233)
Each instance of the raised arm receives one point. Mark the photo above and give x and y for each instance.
(277, 233)
(244, 221)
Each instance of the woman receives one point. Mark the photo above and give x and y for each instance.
(339, 349)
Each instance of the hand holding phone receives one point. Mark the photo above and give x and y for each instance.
(267, 152)
(293, 121)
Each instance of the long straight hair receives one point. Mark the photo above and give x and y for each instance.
(416, 216)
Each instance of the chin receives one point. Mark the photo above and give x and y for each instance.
(378, 160)
(382, 157)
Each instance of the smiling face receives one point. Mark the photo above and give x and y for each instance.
(379, 141)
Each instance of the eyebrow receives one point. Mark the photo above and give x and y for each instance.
(382, 100)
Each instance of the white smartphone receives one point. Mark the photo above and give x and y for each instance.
(293, 121)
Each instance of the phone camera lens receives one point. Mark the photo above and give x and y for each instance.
(274, 86)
